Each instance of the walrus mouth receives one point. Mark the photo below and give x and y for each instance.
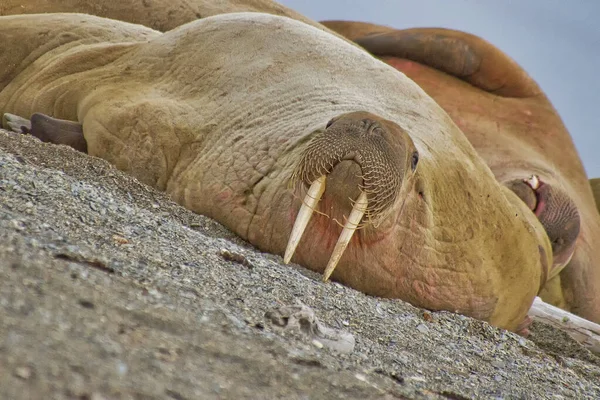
(306, 210)
(528, 190)
(384, 153)
(535, 184)
(559, 216)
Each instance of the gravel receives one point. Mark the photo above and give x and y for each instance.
(108, 289)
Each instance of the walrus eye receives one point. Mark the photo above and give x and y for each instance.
(414, 161)
(331, 121)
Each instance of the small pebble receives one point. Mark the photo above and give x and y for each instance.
(23, 372)
(121, 368)
(18, 225)
(120, 239)
(422, 328)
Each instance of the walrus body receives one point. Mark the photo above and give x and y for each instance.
(220, 114)
(517, 131)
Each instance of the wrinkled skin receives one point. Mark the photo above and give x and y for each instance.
(514, 127)
(178, 111)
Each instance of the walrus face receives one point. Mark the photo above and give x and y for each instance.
(357, 151)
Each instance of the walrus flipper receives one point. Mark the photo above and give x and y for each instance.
(460, 54)
(48, 129)
(15, 123)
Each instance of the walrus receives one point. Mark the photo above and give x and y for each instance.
(162, 15)
(514, 127)
(220, 115)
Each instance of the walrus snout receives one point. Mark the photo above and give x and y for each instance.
(383, 151)
(367, 160)
(556, 212)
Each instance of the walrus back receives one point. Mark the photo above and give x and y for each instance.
(162, 15)
(251, 58)
(26, 38)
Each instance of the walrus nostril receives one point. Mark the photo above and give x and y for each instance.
(414, 161)
(376, 130)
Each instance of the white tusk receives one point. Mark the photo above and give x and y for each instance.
(533, 182)
(308, 206)
(351, 224)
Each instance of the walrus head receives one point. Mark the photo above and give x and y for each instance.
(517, 131)
(379, 212)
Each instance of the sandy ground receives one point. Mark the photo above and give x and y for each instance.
(110, 290)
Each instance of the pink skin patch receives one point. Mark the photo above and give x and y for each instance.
(536, 184)
(523, 328)
(328, 230)
(541, 203)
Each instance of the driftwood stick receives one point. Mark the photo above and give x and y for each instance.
(585, 332)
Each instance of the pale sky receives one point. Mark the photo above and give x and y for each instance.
(556, 41)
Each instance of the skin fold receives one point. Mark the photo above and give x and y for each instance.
(517, 131)
(179, 112)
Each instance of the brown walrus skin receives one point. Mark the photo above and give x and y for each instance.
(595, 184)
(517, 131)
(219, 113)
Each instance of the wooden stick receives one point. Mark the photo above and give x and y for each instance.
(583, 331)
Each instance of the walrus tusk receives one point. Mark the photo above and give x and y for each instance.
(358, 210)
(533, 182)
(308, 206)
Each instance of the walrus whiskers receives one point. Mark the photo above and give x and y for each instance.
(306, 210)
